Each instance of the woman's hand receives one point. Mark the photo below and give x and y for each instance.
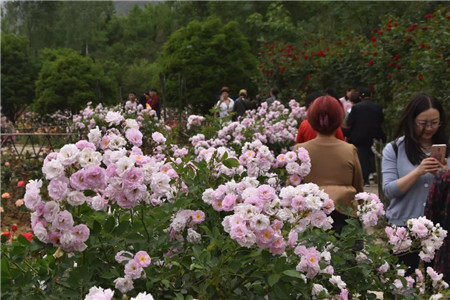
(429, 165)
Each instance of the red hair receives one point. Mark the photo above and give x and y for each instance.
(325, 115)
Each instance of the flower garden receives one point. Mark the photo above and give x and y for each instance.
(133, 211)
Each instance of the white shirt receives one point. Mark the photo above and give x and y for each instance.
(224, 107)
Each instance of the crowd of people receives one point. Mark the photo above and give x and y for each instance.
(147, 99)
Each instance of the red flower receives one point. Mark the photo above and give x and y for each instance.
(420, 77)
(305, 57)
(339, 43)
(429, 16)
(398, 67)
(371, 63)
(375, 29)
(21, 184)
(380, 32)
(375, 54)
(7, 234)
(374, 39)
(424, 28)
(28, 236)
(262, 51)
(389, 27)
(14, 227)
(422, 45)
(389, 76)
(439, 56)
(396, 56)
(308, 77)
(408, 38)
(391, 64)
(371, 87)
(366, 53)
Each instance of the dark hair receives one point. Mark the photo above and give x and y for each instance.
(354, 97)
(311, 97)
(325, 114)
(330, 91)
(224, 89)
(132, 93)
(153, 90)
(418, 104)
(274, 91)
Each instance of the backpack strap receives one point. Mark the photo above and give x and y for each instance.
(395, 147)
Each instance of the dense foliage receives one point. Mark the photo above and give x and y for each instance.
(201, 55)
(398, 49)
(17, 75)
(68, 80)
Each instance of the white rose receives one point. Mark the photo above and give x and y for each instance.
(53, 169)
(76, 198)
(89, 157)
(68, 154)
(95, 136)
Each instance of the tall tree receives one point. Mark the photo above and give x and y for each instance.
(207, 55)
(68, 80)
(18, 76)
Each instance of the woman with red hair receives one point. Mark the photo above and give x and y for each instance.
(335, 165)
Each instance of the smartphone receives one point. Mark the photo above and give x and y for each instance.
(438, 151)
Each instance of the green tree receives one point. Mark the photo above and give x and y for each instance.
(68, 80)
(207, 55)
(18, 76)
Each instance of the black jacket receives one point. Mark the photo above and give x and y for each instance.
(365, 121)
(240, 106)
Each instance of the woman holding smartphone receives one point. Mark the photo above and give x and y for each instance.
(407, 167)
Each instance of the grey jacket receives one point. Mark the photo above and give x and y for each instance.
(411, 204)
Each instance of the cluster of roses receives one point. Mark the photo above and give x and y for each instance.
(270, 125)
(134, 269)
(100, 172)
(298, 164)
(429, 237)
(256, 158)
(416, 280)
(194, 121)
(186, 219)
(98, 293)
(90, 117)
(370, 208)
(260, 212)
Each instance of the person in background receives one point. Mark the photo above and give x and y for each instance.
(407, 169)
(273, 96)
(153, 102)
(241, 104)
(364, 125)
(334, 163)
(132, 101)
(143, 99)
(437, 210)
(305, 132)
(225, 103)
(346, 100)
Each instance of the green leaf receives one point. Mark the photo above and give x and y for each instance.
(109, 224)
(292, 273)
(273, 278)
(179, 296)
(23, 240)
(123, 226)
(96, 227)
(231, 163)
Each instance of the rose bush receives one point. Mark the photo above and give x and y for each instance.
(127, 212)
